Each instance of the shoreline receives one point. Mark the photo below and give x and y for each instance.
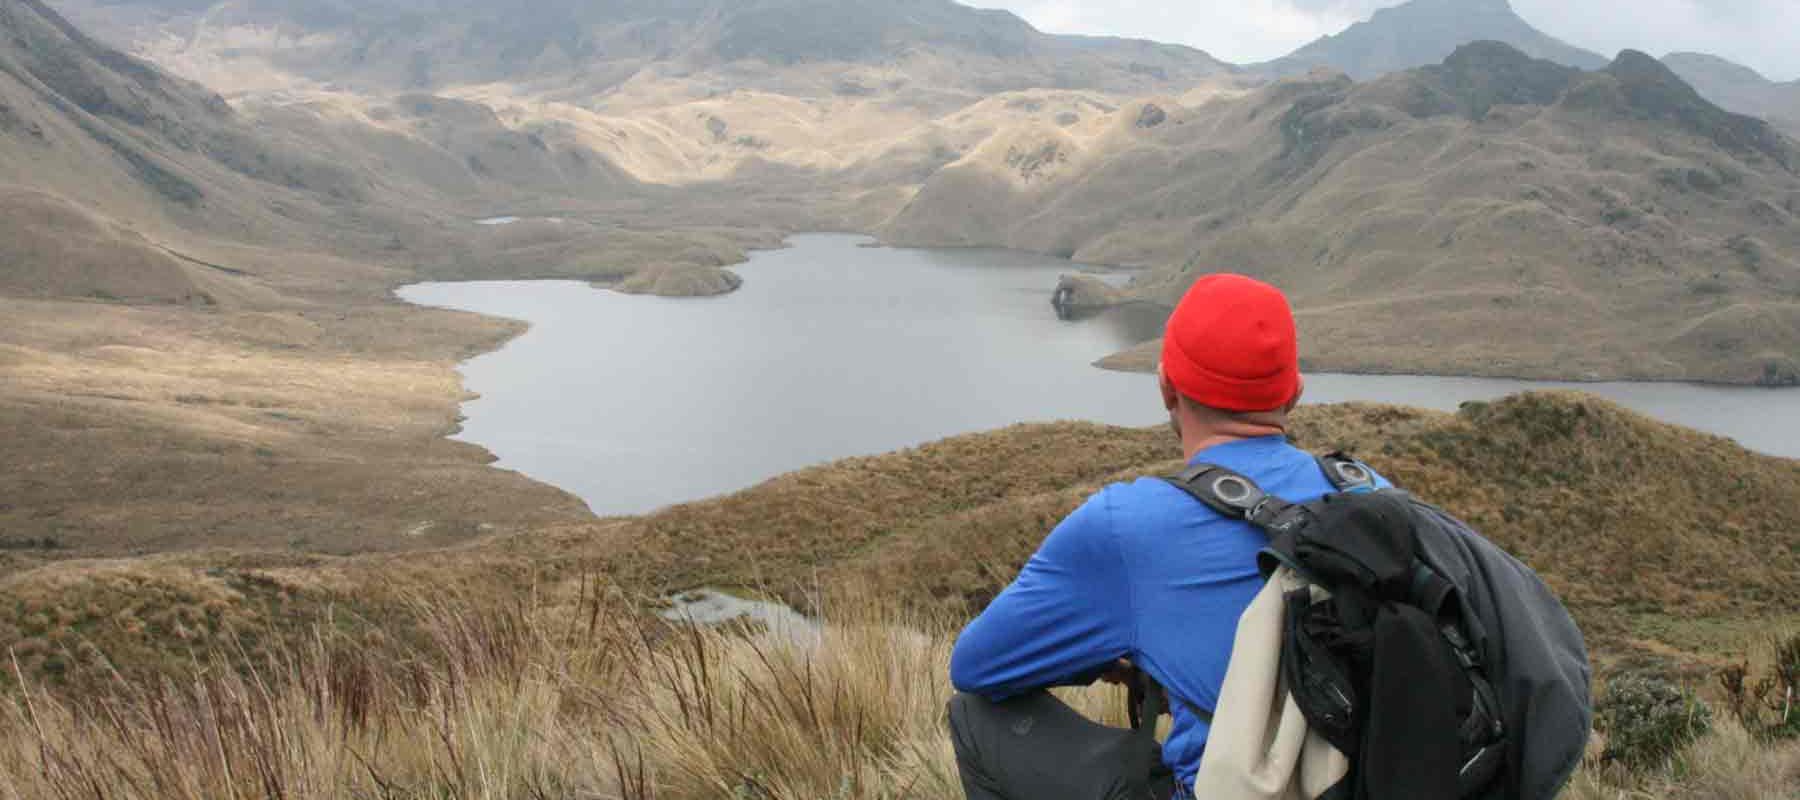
(1314, 368)
(1400, 396)
(1125, 361)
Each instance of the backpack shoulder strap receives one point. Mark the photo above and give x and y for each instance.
(1235, 496)
(1230, 494)
(1346, 473)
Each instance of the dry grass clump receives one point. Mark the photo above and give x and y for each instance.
(853, 713)
(1726, 764)
(52, 629)
(782, 532)
(530, 701)
(506, 701)
(487, 709)
(584, 700)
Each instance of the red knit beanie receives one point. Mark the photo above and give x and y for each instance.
(1231, 345)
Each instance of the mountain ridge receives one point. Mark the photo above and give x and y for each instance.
(1739, 88)
(569, 49)
(1424, 32)
(1413, 212)
(408, 45)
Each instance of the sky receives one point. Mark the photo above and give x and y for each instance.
(1762, 34)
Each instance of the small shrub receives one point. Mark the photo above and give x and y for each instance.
(1647, 720)
(31, 543)
(1767, 705)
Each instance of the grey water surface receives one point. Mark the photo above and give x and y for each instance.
(832, 349)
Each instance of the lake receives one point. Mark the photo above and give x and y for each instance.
(833, 348)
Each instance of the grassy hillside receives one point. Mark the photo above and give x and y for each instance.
(1614, 223)
(120, 137)
(54, 248)
(201, 349)
(544, 701)
(136, 179)
(522, 666)
(1574, 485)
(1672, 566)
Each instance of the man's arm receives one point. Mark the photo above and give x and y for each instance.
(1065, 620)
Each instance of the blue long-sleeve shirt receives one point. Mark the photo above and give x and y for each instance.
(1141, 571)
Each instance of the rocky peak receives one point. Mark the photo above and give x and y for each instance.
(1481, 75)
(1423, 32)
(1421, 7)
(1642, 87)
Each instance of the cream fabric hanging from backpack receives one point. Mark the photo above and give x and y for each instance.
(1260, 747)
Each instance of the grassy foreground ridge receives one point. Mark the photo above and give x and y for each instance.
(537, 702)
(529, 665)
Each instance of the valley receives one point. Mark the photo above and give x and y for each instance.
(228, 432)
(182, 257)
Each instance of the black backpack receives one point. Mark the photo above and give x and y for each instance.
(1439, 665)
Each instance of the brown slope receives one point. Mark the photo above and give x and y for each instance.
(170, 167)
(1664, 542)
(181, 141)
(199, 347)
(1614, 223)
(1644, 528)
(1624, 513)
(53, 248)
(90, 138)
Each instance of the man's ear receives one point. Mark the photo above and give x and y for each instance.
(1299, 391)
(1170, 397)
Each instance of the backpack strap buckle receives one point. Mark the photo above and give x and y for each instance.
(1231, 495)
(1346, 473)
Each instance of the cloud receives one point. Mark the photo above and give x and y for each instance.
(1358, 9)
(1233, 30)
(1758, 33)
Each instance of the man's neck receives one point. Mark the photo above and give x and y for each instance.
(1201, 437)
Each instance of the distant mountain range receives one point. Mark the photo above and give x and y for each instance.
(595, 44)
(1614, 220)
(1740, 88)
(1423, 32)
(578, 46)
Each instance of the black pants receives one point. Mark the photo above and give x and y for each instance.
(1035, 747)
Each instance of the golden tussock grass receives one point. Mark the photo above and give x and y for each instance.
(584, 700)
(1725, 764)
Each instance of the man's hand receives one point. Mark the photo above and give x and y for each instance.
(1123, 673)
